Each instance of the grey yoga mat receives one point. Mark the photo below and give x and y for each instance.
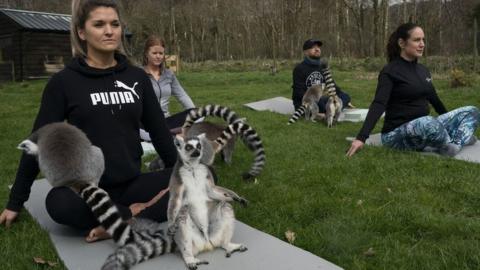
(469, 153)
(284, 105)
(264, 251)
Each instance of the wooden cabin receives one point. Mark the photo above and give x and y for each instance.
(33, 44)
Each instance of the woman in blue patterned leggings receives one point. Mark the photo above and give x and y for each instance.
(446, 134)
(405, 93)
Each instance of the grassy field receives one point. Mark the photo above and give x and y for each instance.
(413, 211)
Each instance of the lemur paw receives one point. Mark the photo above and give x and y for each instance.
(172, 230)
(194, 265)
(242, 201)
(241, 248)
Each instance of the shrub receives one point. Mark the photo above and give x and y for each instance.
(459, 78)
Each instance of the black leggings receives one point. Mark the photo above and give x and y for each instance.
(322, 103)
(65, 207)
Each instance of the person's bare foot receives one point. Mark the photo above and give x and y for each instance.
(350, 105)
(97, 234)
(320, 116)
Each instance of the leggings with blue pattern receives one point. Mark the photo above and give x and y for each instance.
(457, 126)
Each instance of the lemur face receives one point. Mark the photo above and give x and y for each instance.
(190, 149)
(28, 147)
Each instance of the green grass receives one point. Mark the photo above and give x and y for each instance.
(415, 211)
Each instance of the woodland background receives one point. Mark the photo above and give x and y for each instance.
(223, 30)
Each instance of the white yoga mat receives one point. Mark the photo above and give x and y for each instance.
(264, 251)
(281, 105)
(148, 148)
(469, 153)
(284, 105)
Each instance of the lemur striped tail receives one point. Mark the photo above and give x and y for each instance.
(134, 246)
(329, 84)
(106, 213)
(251, 139)
(147, 245)
(210, 110)
(297, 114)
(236, 125)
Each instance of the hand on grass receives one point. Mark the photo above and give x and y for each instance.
(7, 217)
(356, 145)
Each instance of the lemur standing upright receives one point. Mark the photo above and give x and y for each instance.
(205, 218)
(192, 194)
(334, 105)
(309, 106)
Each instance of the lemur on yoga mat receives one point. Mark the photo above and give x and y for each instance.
(309, 106)
(334, 104)
(67, 158)
(206, 219)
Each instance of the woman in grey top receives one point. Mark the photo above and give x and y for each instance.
(164, 83)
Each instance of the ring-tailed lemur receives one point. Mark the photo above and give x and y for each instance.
(209, 110)
(236, 126)
(309, 106)
(67, 158)
(65, 155)
(334, 105)
(212, 131)
(208, 221)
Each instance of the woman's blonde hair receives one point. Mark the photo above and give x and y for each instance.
(151, 41)
(80, 13)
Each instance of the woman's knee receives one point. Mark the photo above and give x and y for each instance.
(65, 207)
(56, 203)
(434, 131)
(474, 111)
(469, 110)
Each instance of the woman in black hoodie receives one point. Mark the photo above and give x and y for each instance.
(105, 96)
(404, 92)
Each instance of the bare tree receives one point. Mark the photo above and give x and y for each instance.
(258, 29)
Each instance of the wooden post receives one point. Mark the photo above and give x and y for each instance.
(177, 61)
(475, 49)
(13, 70)
(173, 62)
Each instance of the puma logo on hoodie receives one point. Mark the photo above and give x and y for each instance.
(107, 98)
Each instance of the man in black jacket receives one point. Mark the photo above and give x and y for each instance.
(309, 72)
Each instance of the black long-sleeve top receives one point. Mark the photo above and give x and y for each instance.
(306, 74)
(108, 105)
(404, 92)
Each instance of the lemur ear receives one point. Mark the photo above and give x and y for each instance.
(216, 147)
(183, 132)
(240, 120)
(202, 136)
(28, 147)
(178, 140)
